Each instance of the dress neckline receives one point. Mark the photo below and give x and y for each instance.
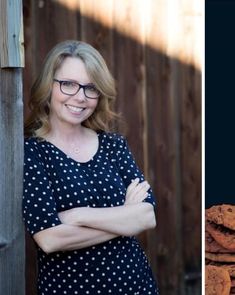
(72, 159)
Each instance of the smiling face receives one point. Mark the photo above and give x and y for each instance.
(71, 110)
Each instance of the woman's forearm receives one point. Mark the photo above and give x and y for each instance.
(126, 220)
(69, 237)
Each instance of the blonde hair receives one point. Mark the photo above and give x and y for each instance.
(38, 124)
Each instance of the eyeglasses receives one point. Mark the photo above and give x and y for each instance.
(72, 88)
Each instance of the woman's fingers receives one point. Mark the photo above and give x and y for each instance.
(143, 186)
(137, 192)
(133, 185)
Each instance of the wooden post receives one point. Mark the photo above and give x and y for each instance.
(11, 34)
(12, 258)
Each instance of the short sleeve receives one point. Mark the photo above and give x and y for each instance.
(128, 168)
(39, 207)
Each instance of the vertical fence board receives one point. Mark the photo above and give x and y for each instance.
(191, 176)
(53, 22)
(11, 34)
(12, 259)
(129, 74)
(96, 33)
(28, 75)
(190, 109)
(163, 152)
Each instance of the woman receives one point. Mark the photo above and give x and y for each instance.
(84, 197)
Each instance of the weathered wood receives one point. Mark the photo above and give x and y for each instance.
(54, 22)
(98, 33)
(191, 172)
(12, 258)
(11, 34)
(162, 107)
(129, 73)
(28, 75)
(190, 122)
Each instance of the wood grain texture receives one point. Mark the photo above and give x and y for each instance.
(12, 258)
(11, 34)
(163, 149)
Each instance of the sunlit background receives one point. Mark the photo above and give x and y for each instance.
(174, 27)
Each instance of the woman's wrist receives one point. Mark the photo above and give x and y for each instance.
(71, 216)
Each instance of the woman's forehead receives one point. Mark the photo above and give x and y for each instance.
(73, 68)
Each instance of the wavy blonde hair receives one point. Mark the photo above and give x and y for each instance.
(37, 124)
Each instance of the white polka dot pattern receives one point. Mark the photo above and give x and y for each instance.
(54, 182)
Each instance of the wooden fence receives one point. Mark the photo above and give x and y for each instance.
(153, 49)
(12, 247)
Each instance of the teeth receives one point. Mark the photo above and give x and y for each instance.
(75, 109)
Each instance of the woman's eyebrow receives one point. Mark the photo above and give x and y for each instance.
(76, 81)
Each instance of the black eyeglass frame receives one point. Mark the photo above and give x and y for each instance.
(84, 87)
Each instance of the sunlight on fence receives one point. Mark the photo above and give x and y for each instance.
(171, 26)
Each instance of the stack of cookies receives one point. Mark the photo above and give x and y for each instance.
(220, 250)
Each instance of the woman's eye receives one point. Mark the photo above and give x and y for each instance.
(69, 84)
(91, 88)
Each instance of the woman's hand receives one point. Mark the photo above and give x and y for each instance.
(136, 192)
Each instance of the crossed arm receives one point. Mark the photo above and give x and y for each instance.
(84, 226)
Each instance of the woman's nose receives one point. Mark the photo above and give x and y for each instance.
(80, 95)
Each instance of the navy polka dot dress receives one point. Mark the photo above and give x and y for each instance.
(54, 182)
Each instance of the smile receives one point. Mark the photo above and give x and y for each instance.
(74, 109)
